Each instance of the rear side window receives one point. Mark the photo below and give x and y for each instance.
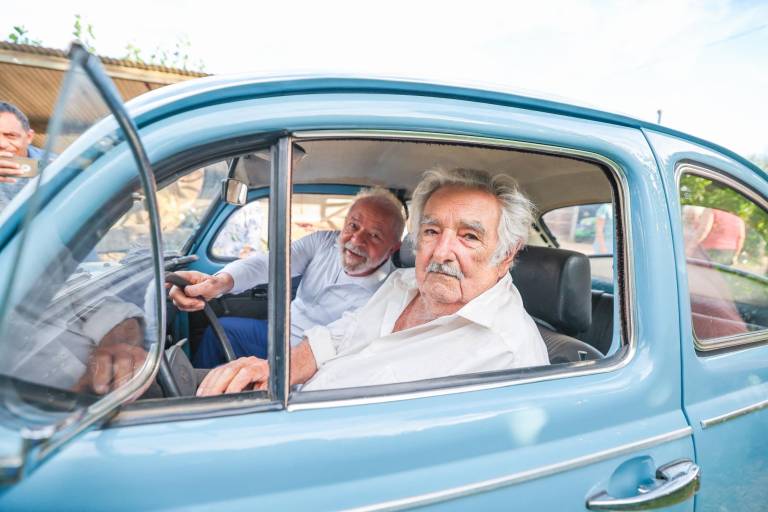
(245, 232)
(588, 229)
(726, 237)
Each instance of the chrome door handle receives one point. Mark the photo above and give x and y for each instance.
(675, 483)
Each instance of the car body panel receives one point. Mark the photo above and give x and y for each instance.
(534, 443)
(719, 384)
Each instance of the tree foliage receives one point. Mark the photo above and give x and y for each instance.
(20, 35)
(178, 56)
(699, 191)
(83, 33)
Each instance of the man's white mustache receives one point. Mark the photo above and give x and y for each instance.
(355, 250)
(445, 268)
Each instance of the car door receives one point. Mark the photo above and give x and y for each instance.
(80, 329)
(723, 290)
(550, 438)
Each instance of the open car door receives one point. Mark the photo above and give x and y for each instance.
(81, 316)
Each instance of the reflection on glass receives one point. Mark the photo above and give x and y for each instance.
(73, 331)
(725, 245)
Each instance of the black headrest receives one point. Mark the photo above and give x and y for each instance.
(556, 287)
(404, 257)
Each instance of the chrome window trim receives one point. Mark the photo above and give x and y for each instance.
(627, 307)
(736, 340)
(525, 476)
(728, 416)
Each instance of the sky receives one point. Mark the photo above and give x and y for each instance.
(704, 64)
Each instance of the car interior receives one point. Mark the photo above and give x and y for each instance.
(575, 313)
(573, 304)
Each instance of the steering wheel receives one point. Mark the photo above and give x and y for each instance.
(218, 330)
(175, 368)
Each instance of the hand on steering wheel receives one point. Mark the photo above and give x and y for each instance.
(218, 330)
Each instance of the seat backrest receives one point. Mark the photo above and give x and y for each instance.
(556, 287)
(404, 257)
(600, 333)
(564, 349)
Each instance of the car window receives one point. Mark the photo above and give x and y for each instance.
(245, 231)
(588, 229)
(726, 237)
(72, 321)
(182, 204)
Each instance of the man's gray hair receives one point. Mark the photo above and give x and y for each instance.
(516, 209)
(386, 198)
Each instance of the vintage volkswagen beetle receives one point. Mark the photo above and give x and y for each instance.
(657, 392)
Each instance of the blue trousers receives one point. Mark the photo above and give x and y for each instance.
(247, 335)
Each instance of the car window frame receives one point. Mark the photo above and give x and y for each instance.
(714, 346)
(491, 380)
(190, 408)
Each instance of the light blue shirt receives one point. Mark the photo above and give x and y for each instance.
(325, 291)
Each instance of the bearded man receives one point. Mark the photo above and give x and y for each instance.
(339, 272)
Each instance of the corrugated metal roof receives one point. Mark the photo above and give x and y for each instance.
(30, 77)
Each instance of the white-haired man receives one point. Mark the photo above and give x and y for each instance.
(456, 312)
(339, 272)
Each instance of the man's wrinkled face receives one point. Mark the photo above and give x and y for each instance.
(368, 237)
(13, 137)
(455, 246)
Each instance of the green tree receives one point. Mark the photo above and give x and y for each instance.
(176, 57)
(699, 191)
(83, 32)
(20, 35)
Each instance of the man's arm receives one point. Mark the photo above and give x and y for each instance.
(253, 373)
(254, 270)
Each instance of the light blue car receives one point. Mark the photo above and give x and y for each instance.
(657, 390)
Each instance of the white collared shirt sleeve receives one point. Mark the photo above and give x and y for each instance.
(254, 270)
(326, 340)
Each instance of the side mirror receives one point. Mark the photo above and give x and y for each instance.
(234, 191)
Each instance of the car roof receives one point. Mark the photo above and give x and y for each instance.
(192, 94)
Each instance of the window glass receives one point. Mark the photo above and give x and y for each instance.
(182, 204)
(74, 326)
(245, 232)
(725, 245)
(588, 229)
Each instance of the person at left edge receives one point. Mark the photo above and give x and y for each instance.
(15, 141)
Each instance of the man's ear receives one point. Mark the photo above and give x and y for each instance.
(30, 135)
(506, 263)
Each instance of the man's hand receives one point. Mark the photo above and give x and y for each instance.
(201, 285)
(8, 168)
(236, 376)
(111, 366)
(253, 373)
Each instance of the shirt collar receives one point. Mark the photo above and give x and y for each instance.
(483, 309)
(34, 152)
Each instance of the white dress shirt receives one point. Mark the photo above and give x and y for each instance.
(491, 332)
(325, 291)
